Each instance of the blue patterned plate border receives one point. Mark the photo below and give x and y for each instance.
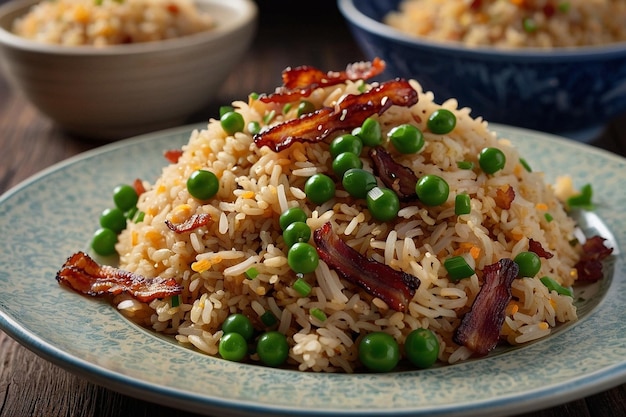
(52, 214)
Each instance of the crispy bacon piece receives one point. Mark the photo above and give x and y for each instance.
(504, 197)
(84, 275)
(398, 177)
(300, 81)
(192, 223)
(480, 328)
(589, 266)
(172, 155)
(138, 186)
(396, 288)
(534, 246)
(346, 115)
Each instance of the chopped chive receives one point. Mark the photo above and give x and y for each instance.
(583, 199)
(564, 6)
(225, 109)
(458, 268)
(130, 214)
(465, 164)
(251, 273)
(268, 319)
(362, 87)
(139, 217)
(269, 116)
(529, 25)
(552, 285)
(254, 96)
(318, 314)
(548, 217)
(175, 300)
(286, 108)
(302, 287)
(462, 204)
(525, 165)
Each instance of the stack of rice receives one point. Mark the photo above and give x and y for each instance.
(257, 185)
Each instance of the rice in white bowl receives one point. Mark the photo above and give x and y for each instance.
(111, 22)
(257, 184)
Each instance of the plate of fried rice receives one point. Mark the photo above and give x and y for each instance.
(499, 246)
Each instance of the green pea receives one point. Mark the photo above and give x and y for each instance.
(232, 122)
(291, 215)
(406, 138)
(441, 121)
(491, 160)
(345, 143)
(432, 190)
(114, 219)
(296, 232)
(379, 352)
(103, 241)
(254, 127)
(529, 264)
(383, 203)
(125, 197)
(233, 347)
(370, 132)
(319, 188)
(238, 323)
(202, 184)
(272, 348)
(357, 182)
(345, 161)
(302, 258)
(305, 107)
(421, 348)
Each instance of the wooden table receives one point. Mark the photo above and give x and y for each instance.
(31, 386)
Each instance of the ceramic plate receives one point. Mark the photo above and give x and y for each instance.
(53, 214)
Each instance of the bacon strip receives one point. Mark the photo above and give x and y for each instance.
(192, 223)
(299, 82)
(172, 155)
(589, 266)
(84, 275)
(346, 115)
(480, 327)
(396, 288)
(397, 177)
(504, 197)
(534, 246)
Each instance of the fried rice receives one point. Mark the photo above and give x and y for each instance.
(257, 184)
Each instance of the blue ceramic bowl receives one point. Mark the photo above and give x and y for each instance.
(571, 92)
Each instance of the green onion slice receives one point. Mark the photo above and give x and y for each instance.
(318, 314)
(302, 287)
(552, 285)
(462, 204)
(458, 268)
(583, 199)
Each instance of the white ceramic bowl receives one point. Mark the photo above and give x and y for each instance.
(122, 90)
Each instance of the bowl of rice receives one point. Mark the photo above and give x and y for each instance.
(554, 66)
(107, 69)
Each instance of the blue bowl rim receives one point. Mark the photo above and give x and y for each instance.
(349, 9)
